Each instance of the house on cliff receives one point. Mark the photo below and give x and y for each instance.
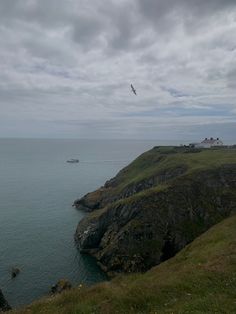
(207, 143)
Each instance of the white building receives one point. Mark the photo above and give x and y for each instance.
(211, 142)
(208, 143)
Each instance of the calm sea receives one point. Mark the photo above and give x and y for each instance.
(37, 222)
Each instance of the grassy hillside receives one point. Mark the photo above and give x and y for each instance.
(160, 164)
(160, 159)
(199, 279)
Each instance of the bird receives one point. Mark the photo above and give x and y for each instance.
(133, 90)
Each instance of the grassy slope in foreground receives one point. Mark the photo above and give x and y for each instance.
(199, 279)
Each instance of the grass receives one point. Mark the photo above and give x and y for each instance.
(199, 279)
(162, 159)
(157, 162)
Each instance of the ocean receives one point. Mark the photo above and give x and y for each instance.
(37, 220)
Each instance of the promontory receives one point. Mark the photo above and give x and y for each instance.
(157, 205)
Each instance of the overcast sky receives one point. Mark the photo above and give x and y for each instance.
(66, 67)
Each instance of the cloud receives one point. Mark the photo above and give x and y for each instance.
(66, 68)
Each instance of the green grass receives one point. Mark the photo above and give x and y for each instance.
(162, 159)
(159, 161)
(199, 279)
(149, 162)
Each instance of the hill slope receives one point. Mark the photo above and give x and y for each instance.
(156, 205)
(199, 279)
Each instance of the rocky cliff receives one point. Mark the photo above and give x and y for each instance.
(157, 205)
(4, 306)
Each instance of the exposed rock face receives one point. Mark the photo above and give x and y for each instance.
(134, 231)
(14, 272)
(4, 306)
(108, 194)
(61, 286)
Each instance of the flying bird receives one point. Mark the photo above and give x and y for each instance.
(133, 90)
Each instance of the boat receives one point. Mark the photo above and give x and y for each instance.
(73, 161)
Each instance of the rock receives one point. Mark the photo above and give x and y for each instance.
(129, 231)
(4, 306)
(14, 272)
(60, 286)
(108, 194)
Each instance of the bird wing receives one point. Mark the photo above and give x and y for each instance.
(134, 91)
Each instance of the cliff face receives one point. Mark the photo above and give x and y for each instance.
(4, 306)
(157, 205)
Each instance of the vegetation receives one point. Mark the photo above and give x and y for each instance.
(199, 279)
(163, 158)
(158, 161)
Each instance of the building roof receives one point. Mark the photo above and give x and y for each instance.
(210, 140)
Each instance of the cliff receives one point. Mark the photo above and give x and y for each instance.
(199, 279)
(156, 206)
(4, 306)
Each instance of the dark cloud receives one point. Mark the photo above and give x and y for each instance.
(157, 10)
(231, 78)
(86, 30)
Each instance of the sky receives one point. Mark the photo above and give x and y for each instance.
(66, 69)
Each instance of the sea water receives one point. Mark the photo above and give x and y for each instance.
(37, 221)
